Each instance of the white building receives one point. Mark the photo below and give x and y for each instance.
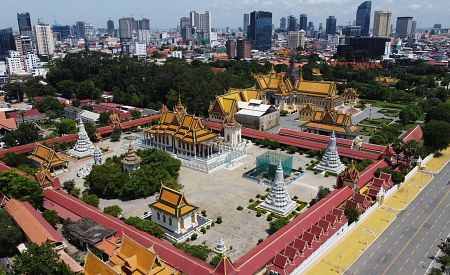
(201, 22)
(14, 62)
(144, 36)
(44, 39)
(31, 62)
(2, 68)
(89, 117)
(176, 54)
(293, 40)
(140, 50)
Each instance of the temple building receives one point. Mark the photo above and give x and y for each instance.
(98, 156)
(232, 132)
(45, 158)
(184, 136)
(83, 147)
(226, 104)
(131, 161)
(173, 212)
(131, 258)
(386, 80)
(328, 121)
(330, 161)
(278, 199)
(350, 96)
(349, 177)
(305, 113)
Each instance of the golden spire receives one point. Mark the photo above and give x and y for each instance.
(272, 70)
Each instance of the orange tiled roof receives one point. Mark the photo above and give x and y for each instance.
(7, 123)
(46, 156)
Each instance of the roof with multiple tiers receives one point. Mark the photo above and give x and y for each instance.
(278, 83)
(330, 120)
(46, 157)
(173, 203)
(227, 103)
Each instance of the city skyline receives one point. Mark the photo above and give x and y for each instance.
(224, 13)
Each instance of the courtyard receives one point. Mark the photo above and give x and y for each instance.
(219, 194)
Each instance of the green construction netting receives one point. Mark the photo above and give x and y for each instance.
(266, 164)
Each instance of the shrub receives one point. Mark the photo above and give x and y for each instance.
(113, 210)
(51, 217)
(258, 213)
(198, 251)
(91, 199)
(146, 226)
(194, 237)
(219, 219)
(260, 241)
(269, 218)
(203, 230)
(258, 196)
(115, 136)
(292, 149)
(239, 208)
(208, 226)
(203, 213)
(212, 223)
(250, 200)
(277, 224)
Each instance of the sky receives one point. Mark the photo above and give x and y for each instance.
(164, 14)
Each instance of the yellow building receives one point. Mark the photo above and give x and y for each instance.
(173, 212)
(323, 94)
(182, 134)
(350, 96)
(305, 113)
(45, 158)
(227, 104)
(386, 80)
(132, 258)
(325, 122)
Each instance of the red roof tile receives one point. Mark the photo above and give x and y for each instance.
(415, 133)
(281, 261)
(290, 252)
(299, 244)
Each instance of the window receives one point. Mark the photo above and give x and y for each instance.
(164, 218)
(170, 221)
(159, 216)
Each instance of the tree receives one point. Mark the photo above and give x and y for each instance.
(436, 135)
(277, 224)
(410, 114)
(323, 192)
(24, 134)
(51, 217)
(20, 187)
(13, 160)
(10, 235)
(411, 149)
(68, 185)
(67, 126)
(91, 199)
(50, 106)
(146, 226)
(115, 136)
(41, 259)
(439, 112)
(104, 118)
(67, 88)
(136, 114)
(113, 210)
(199, 251)
(90, 129)
(87, 90)
(352, 214)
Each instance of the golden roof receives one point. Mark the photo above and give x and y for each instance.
(94, 266)
(46, 156)
(227, 103)
(316, 88)
(173, 202)
(385, 80)
(308, 107)
(316, 72)
(275, 82)
(330, 120)
(131, 158)
(350, 91)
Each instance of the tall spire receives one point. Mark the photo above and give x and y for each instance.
(278, 199)
(330, 161)
(83, 147)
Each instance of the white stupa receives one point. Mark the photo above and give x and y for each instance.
(278, 199)
(220, 246)
(98, 156)
(330, 161)
(83, 147)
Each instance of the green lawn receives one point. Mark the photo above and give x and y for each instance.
(377, 122)
(367, 131)
(389, 112)
(383, 104)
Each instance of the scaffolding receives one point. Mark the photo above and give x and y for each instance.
(266, 164)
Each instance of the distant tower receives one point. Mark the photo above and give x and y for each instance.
(330, 161)
(98, 156)
(278, 200)
(131, 161)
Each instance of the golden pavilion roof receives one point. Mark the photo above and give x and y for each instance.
(315, 88)
(184, 127)
(330, 120)
(350, 91)
(278, 83)
(47, 157)
(173, 203)
(131, 258)
(131, 158)
(227, 103)
(386, 80)
(308, 107)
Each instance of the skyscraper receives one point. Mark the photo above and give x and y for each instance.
(201, 22)
(283, 23)
(24, 22)
(404, 26)
(231, 48)
(79, 29)
(246, 23)
(62, 31)
(260, 30)
(331, 25)
(126, 28)
(110, 26)
(185, 28)
(44, 39)
(303, 22)
(143, 24)
(292, 23)
(382, 24)
(243, 49)
(363, 17)
(7, 42)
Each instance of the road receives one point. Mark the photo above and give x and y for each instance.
(408, 245)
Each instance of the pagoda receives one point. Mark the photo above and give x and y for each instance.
(330, 161)
(278, 200)
(220, 246)
(232, 132)
(83, 147)
(131, 161)
(98, 156)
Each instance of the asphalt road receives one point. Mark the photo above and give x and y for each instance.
(408, 245)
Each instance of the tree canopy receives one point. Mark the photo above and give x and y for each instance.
(146, 226)
(21, 188)
(10, 237)
(24, 134)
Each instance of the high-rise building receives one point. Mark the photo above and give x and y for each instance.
(404, 26)
(89, 34)
(246, 23)
(231, 48)
(6, 41)
(61, 31)
(24, 22)
(303, 22)
(363, 17)
(79, 29)
(352, 31)
(14, 62)
(143, 24)
(27, 44)
(413, 28)
(292, 23)
(18, 43)
(331, 25)
(44, 39)
(201, 22)
(185, 28)
(283, 23)
(382, 24)
(243, 49)
(296, 39)
(260, 30)
(110, 26)
(126, 28)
